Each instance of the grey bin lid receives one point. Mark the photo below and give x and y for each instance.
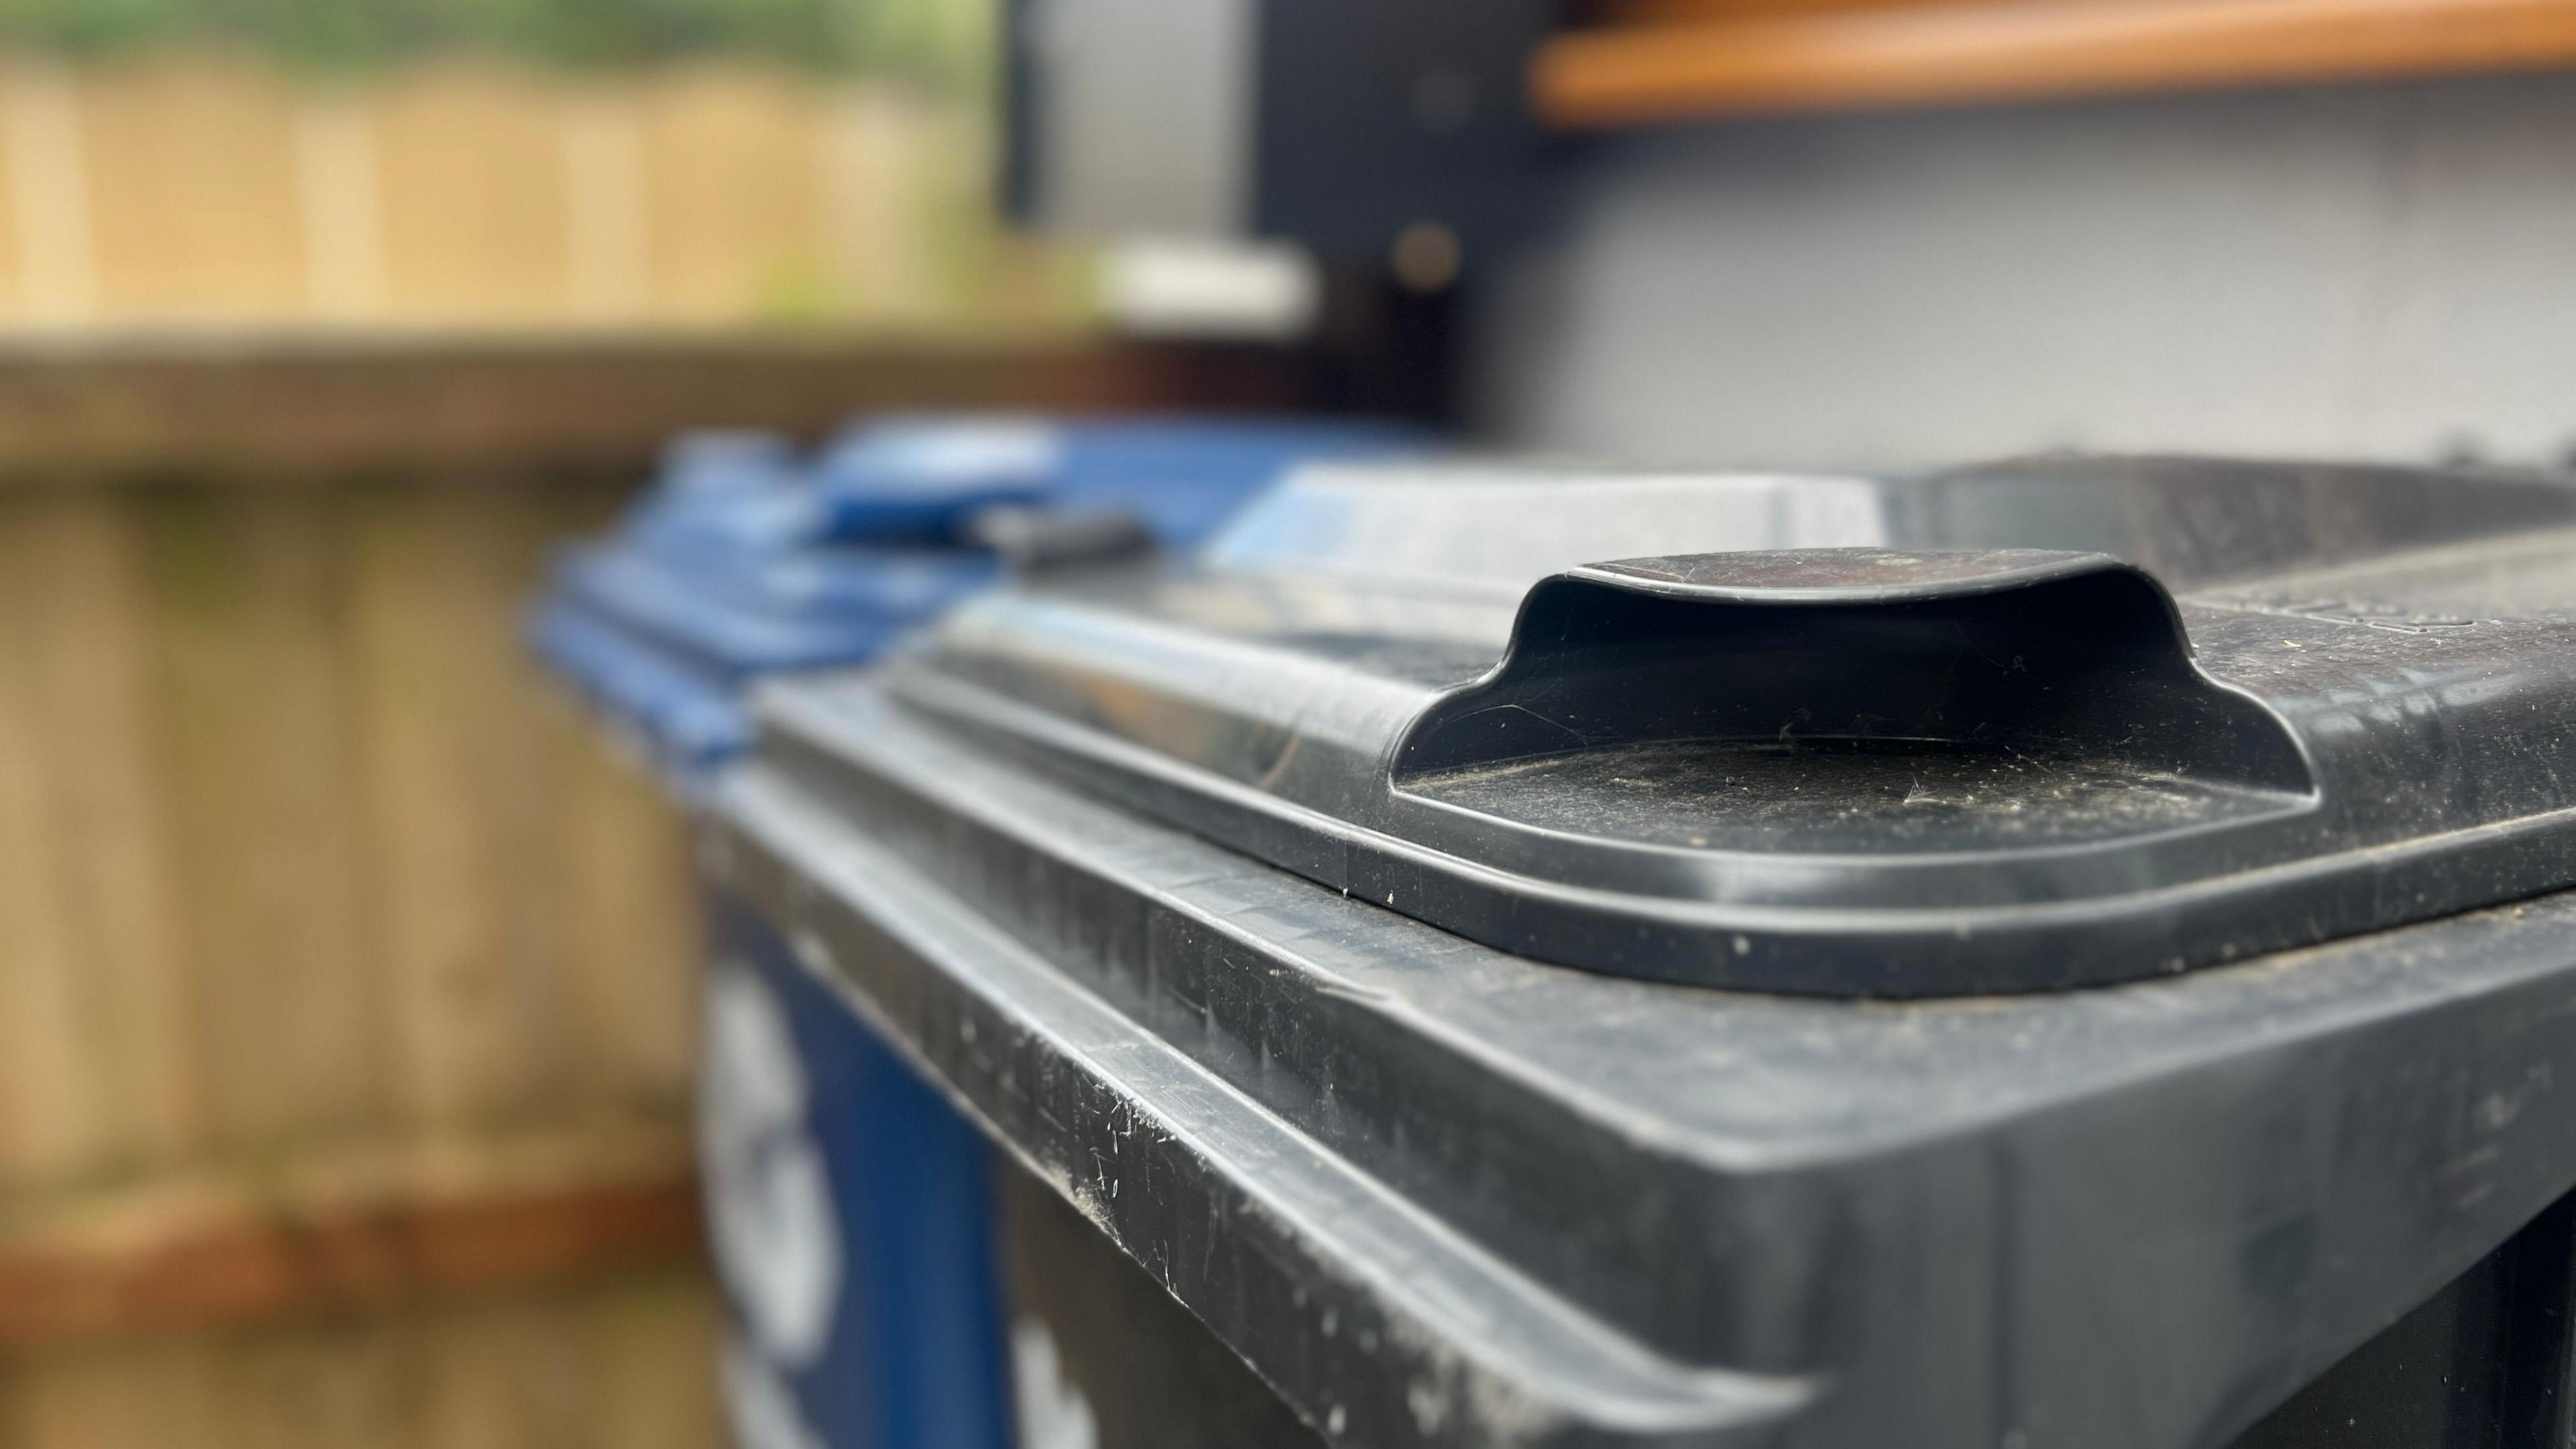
(1895, 738)
(1111, 858)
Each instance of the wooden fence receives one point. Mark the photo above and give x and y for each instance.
(615, 1364)
(339, 970)
(196, 189)
(347, 983)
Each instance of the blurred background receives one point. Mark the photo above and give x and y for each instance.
(347, 986)
(511, 167)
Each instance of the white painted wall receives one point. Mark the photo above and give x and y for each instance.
(2383, 272)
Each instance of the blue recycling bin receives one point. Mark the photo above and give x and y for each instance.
(849, 1205)
(744, 560)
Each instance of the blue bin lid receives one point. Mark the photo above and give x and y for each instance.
(679, 716)
(742, 559)
(792, 614)
(920, 478)
(1179, 476)
(1183, 477)
(718, 494)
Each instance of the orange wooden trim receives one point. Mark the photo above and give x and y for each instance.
(254, 1268)
(1700, 12)
(1918, 55)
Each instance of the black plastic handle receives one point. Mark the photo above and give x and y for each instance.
(1857, 649)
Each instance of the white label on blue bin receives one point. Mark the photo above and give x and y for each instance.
(769, 1200)
(763, 1411)
(1053, 1412)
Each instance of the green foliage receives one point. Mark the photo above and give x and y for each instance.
(937, 41)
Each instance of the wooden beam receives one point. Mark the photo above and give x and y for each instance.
(1687, 65)
(193, 1255)
(328, 406)
(1695, 12)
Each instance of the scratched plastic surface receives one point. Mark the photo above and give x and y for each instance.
(1100, 856)
(2019, 728)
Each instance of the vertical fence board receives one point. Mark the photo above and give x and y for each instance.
(734, 163)
(78, 681)
(166, 1395)
(49, 1098)
(475, 986)
(339, 1387)
(622, 1365)
(470, 159)
(253, 641)
(194, 211)
(49, 205)
(650, 1349)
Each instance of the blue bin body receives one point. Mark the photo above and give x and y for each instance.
(851, 1211)
(849, 1205)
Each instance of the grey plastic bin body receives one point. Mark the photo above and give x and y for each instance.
(2052, 955)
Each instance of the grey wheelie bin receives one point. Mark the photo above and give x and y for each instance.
(2066, 953)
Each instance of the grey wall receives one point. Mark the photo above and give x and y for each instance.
(2383, 272)
(1144, 115)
